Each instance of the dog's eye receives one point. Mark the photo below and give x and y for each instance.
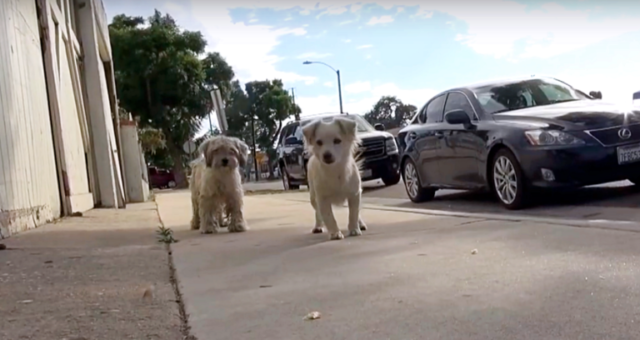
(319, 142)
(337, 141)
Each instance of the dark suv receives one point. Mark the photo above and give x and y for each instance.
(378, 149)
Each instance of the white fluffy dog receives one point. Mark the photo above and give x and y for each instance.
(334, 174)
(216, 185)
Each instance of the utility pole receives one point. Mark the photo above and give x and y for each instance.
(339, 91)
(255, 151)
(293, 97)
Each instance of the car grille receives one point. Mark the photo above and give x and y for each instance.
(609, 136)
(371, 148)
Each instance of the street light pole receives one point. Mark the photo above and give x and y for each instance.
(339, 91)
(337, 73)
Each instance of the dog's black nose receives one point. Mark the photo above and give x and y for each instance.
(225, 162)
(327, 157)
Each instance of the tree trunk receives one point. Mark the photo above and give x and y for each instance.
(271, 174)
(178, 168)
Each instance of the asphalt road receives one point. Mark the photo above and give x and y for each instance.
(611, 201)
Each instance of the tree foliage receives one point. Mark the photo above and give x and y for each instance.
(269, 104)
(163, 81)
(391, 112)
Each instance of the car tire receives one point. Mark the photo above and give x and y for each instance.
(286, 182)
(507, 180)
(416, 192)
(390, 180)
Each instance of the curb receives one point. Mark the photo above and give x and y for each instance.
(578, 223)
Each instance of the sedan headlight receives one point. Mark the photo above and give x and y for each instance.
(551, 138)
(391, 146)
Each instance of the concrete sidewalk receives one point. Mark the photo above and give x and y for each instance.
(411, 276)
(86, 278)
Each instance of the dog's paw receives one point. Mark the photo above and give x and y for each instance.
(317, 230)
(336, 236)
(238, 228)
(355, 232)
(194, 225)
(206, 231)
(362, 225)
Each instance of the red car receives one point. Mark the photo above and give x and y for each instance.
(160, 178)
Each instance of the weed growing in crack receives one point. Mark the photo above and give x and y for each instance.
(165, 235)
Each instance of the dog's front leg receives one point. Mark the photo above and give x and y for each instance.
(195, 207)
(318, 229)
(326, 212)
(208, 215)
(237, 224)
(354, 215)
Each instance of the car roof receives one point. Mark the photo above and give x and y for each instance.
(502, 81)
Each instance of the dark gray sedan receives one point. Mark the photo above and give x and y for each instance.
(512, 137)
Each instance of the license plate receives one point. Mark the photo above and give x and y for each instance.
(628, 154)
(365, 173)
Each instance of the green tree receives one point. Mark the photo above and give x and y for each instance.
(269, 104)
(391, 112)
(163, 81)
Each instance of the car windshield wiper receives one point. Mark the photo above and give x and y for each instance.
(563, 101)
(500, 111)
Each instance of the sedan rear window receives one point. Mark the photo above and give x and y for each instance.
(519, 95)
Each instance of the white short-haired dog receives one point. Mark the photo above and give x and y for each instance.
(216, 185)
(333, 173)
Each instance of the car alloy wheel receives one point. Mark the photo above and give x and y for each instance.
(505, 180)
(411, 180)
(285, 179)
(508, 182)
(412, 184)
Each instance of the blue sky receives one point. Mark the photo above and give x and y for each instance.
(413, 49)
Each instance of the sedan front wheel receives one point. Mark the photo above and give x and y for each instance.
(415, 191)
(508, 181)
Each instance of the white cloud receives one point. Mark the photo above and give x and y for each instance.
(346, 41)
(362, 47)
(368, 56)
(328, 84)
(314, 55)
(248, 48)
(546, 32)
(346, 22)
(357, 87)
(364, 102)
(385, 19)
(616, 82)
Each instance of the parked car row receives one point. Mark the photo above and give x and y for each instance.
(511, 137)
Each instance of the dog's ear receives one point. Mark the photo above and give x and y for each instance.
(206, 149)
(309, 131)
(347, 126)
(243, 152)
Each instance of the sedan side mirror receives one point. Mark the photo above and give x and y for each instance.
(455, 117)
(596, 94)
(379, 127)
(292, 140)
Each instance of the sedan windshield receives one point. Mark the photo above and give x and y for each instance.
(529, 93)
